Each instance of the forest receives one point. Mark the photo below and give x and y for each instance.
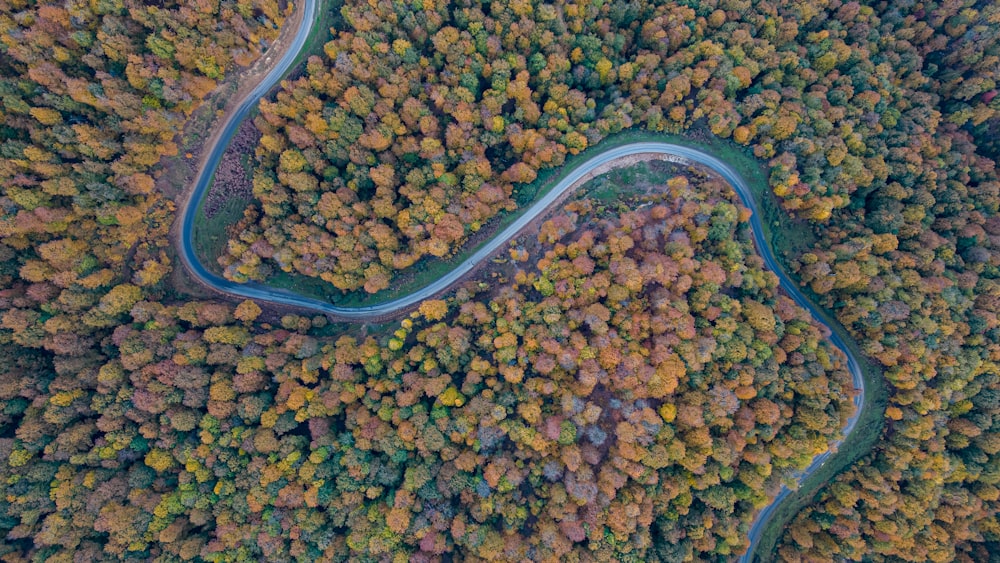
(637, 386)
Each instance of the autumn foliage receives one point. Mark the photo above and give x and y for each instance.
(635, 391)
(649, 406)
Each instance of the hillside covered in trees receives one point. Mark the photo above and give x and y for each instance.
(633, 391)
(638, 387)
(877, 122)
(416, 126)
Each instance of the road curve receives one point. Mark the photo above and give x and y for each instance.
(260, 292)
(189, 209)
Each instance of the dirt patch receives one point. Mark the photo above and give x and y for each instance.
(232, 180)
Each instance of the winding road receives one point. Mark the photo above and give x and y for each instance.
(570, 181)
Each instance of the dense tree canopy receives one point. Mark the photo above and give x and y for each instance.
(635, 390)
(638, 381)
(416, 127)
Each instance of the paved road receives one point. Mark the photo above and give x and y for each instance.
(260, 292)
(204, 179)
